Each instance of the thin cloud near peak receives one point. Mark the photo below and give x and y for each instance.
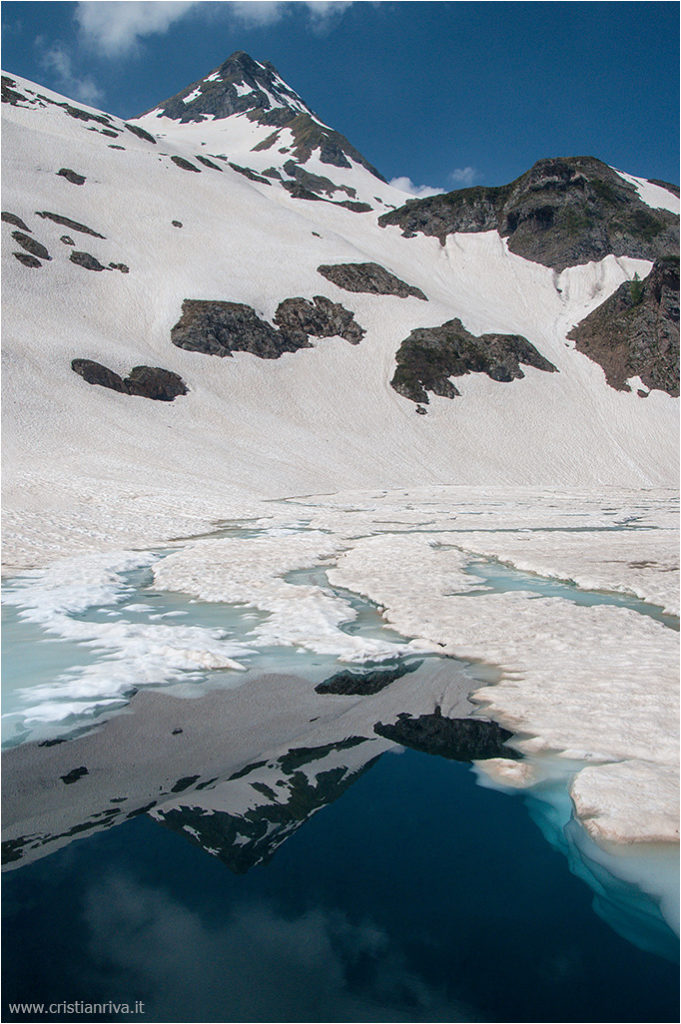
(463, 176)
(405, 184)
(58, 60)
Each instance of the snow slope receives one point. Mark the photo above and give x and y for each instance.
(245, 425)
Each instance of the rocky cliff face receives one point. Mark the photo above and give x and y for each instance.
(559, 213)
(635, 333)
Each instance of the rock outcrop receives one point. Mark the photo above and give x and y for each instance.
(184, 165)
(560, 213)
(72, 176)
(95, 373)
(220, 328)
(146, 381)
(58, 218)
(635, 332)
(368, 277)
(86, 260)
(31, 245)
(321, 318)
(431, 355)
(11, 218)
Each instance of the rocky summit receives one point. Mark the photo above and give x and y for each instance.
(255, 88)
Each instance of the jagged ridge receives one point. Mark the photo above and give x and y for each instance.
(241, 85)
(559, 213)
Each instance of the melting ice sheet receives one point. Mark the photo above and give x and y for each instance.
(83, 635)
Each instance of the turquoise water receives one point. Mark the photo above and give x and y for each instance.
(77, 656)
(499, 578)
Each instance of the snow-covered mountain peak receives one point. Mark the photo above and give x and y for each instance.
(246, 109)
(238, 86)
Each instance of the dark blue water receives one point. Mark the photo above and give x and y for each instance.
(417, 896)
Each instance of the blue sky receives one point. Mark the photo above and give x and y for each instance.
(446, 94)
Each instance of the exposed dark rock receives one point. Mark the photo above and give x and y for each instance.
(120, 266)
(11, 218)
(350, 204)
(220, 328)
(184, 164)
(84, 259)
(368, 277)
(298, 318)
(13, 849)
(176, 223)
(184, 783)
(72, 176)
(310, 136)
(145, 381)
(83, 115)
(95, 373)
(112, 145)
(140, 133)
(67, 240)
(299, 191)
(459, 739)
(249, 173)
(208, 163)
(272, 172)
(560, 213)
(431, 355)
(366, 682)
(421, 411)
(218, 96)
(74, 775)
(31, 245)
(154, 382)
(28, 261)
(68, 223)
(316, 182)
(267, 143)
(635, 332)
(107, 131)
(9, 94)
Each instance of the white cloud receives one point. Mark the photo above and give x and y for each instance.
(58, 61)
(463, 176)
(324, 12)
(266, 963)
(420, 191)
(114, 27)
(257, 13)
